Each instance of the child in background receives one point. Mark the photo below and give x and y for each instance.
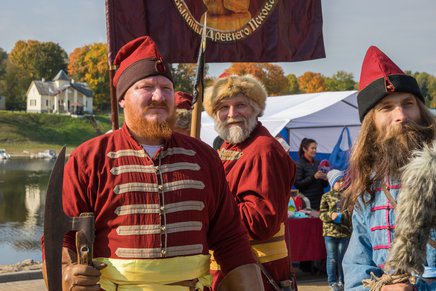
(336, 229)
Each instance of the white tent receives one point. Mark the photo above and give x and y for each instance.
(320, 116)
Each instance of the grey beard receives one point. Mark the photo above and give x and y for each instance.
(236, 134)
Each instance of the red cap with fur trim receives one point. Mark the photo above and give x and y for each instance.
(183, 100)
(379, 77)
(137, 60)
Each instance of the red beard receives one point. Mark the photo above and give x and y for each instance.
(149, 129)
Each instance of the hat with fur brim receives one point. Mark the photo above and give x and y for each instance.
(232, 85)
(379, 77)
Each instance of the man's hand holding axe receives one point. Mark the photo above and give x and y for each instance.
(63, 268)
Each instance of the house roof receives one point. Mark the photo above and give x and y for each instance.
(61, 75)
(50, 89)
(82, 88)
(46, 88)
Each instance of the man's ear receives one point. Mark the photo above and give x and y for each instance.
(121, 102)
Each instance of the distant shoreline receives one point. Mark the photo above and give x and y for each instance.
(26, 265)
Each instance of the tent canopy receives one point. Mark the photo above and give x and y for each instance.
(320, 116)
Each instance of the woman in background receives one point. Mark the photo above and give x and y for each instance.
(310, 180)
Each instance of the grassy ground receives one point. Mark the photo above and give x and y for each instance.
(23, 133)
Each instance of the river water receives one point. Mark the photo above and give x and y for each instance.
(23, 184)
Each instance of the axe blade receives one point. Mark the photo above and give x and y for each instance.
(56, 224)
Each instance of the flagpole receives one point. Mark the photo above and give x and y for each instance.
(113, 98)
(198, 93)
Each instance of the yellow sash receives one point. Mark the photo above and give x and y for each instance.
(265, 252)
(154, 274)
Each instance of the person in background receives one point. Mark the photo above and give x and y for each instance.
(258, 170)
(395, 124)
(336, 229)
(183, 102)
(310, 180)
(160, 198)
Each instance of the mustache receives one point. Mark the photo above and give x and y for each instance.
(155, 104)
(233, 120)
(408, 128)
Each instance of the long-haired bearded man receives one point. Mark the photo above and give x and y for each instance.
(395, 125)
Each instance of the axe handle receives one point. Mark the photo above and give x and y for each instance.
(84, 247)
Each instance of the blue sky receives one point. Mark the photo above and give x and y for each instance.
(405, 30)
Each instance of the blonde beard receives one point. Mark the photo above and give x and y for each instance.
(394, 146)
(235, 134)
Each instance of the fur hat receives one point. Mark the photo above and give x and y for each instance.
(333, 176)
(137, 60)
(379, 77)
(232, 85)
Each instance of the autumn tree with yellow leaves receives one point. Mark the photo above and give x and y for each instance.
(89, 64)
(271, 75)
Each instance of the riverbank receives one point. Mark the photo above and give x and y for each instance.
(26, 265)
(24, 134)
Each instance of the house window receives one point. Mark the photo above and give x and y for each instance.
(46, 103)
(32, 102)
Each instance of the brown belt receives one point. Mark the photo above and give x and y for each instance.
(187, 283)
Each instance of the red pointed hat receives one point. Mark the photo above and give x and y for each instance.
(183, 100)
(136, 60)
(379, 77)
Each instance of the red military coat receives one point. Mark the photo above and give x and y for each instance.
(174, 204)
(260, 175)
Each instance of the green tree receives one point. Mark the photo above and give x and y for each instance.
(3, 62)
(15, 81)
(37, 59)
(184, 77)
(432, 92)
(341, 81)
(293, 84)
(424, 81)
(31, 60)
(89, 64)
(51, 58)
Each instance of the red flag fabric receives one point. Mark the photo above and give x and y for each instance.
(237, 30)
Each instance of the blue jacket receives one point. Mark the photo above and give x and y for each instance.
(372, 236)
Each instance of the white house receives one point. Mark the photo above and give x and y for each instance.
(61, 95)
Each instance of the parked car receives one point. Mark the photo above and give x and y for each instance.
(4, 155)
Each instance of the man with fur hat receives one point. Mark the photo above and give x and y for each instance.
(183, 102)
(395, 124)
(258, 170)
(159, 197)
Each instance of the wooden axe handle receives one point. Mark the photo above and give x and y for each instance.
(84, 248)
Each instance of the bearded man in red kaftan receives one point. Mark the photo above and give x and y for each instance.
(259, 171)
(159, 198)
